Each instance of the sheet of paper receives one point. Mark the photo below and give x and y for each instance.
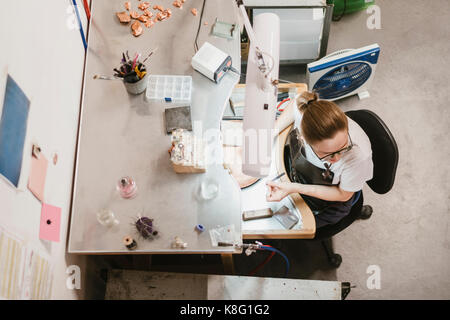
(25, 273)
(12, 255)
(50, 222)
(37, 276)
(38, 173)
(13, 128)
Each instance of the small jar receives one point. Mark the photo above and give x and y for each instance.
(107, 218)
(127, 187)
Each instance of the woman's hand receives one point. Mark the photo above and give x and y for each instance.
(278, 190)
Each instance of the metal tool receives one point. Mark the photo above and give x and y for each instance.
(286, 217)
(257, 214)
(279, 176)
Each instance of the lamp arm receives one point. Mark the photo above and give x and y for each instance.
(262, 66)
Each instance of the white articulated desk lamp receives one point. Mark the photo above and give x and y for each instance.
(261, 91)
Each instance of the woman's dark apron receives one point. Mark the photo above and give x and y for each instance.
(302, 171)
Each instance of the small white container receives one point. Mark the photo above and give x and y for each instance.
(171, 89)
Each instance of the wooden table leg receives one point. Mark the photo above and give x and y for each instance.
(228, 265)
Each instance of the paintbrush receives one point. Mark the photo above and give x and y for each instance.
(156, 49)
(100, 77)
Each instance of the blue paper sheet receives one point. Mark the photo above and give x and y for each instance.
(13, 128)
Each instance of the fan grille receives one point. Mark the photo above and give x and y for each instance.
(342, 80)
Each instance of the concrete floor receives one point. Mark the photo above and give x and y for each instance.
(408, 235)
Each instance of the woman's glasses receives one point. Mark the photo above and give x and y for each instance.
(337, 153)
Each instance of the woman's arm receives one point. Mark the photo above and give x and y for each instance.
(330, 193)
(286, 117)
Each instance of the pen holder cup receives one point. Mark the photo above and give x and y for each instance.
(137, 87)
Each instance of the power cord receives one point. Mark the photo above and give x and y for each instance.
(199, 25)
(250, 248)
(232, 69)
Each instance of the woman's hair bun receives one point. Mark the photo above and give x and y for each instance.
(304, 100)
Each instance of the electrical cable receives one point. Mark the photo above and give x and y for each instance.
(199, 25)
(86, 9)
(281, 102)
(254, 271)
(268, 248)
(80, 25)
(280, 80)
(233, 69)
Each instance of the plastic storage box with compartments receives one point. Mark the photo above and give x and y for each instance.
(172, 89)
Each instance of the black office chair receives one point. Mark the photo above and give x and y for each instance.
(385, 160)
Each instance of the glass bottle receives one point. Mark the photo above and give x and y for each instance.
(127, 187)
(107, 218)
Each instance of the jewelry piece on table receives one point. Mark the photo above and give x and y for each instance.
(178, 243)
(107, 218)
(144, 226)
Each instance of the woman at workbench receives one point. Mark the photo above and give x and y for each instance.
(333, 161)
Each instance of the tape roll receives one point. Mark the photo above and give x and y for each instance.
(130, 243)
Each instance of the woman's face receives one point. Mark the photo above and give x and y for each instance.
(326, 149)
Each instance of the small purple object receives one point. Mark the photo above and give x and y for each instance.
(144, 226)
(200, 228)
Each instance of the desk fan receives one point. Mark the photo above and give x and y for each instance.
(344, 73)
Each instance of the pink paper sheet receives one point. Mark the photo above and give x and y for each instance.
(36, 182)
(50, 222)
